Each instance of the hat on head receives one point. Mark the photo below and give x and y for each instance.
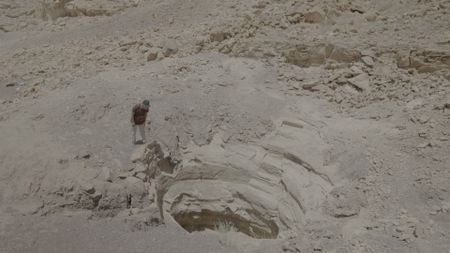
(146, 102)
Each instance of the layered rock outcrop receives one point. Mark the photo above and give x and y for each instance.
(263, 189)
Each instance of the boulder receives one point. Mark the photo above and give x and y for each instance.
(402, 58)
(261, 5)
(84, 154)
(340, 54)
(311, 85)
(313, 17)
(219, 36)
(295, 17)
(160, 56)
(368, 61)
(152, 54)
(306, 56)
(371, 17)
(360, 82)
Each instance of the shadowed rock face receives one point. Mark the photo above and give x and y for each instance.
(206, 219)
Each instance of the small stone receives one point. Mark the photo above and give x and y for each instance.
(313, 17)
(371, 17)
(343, 54)
(356, 70)
(368, 61)
(423, 135)
(152, 54)
(219, 36)
(260, 5)
(87, 187)
(295, 18)
(141, 175)
(310, 85)
(368, 52)
(83, 155)
(357, 9)
(403, 59)
(160, 56)
(423, 119)
(360, 82)
(341, 81)
(292, 123)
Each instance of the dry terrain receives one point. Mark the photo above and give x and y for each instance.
(274, 126)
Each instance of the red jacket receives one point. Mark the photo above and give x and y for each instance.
(139, 114)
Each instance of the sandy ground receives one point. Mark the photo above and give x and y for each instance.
(274, 126)
(77, 234)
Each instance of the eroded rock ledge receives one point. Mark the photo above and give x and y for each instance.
(263, 189)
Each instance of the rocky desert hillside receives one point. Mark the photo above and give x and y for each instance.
(274, 126)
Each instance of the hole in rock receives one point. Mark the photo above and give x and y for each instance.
(227, 221)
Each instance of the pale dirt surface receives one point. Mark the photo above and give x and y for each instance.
(275, 126)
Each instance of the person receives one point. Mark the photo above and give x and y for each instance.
(138, 119)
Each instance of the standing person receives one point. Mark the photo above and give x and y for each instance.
(138, 119)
